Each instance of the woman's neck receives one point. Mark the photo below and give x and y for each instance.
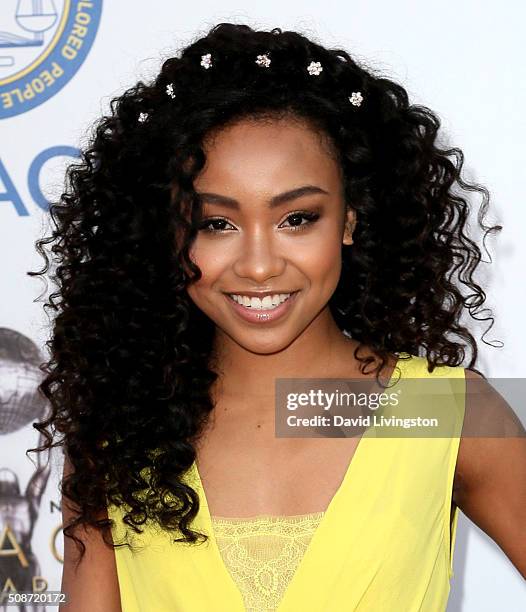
(322, 350)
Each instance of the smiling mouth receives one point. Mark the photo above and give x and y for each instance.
(266, 303)
(267, 310)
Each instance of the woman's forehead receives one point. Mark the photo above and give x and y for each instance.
(265, 152)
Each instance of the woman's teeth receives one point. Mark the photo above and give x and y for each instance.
(269, 302)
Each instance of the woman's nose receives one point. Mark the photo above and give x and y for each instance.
(259, 258)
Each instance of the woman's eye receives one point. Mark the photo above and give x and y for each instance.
(214, 225)
(295, 219)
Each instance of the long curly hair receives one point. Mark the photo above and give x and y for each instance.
(129, 376)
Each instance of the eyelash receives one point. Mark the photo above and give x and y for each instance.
(311, 217)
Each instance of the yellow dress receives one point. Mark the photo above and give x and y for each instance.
(383, 544)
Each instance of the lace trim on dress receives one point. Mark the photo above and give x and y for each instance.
(263, 552)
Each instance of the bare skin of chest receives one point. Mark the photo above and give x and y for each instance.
(247, 471)
(262, 474)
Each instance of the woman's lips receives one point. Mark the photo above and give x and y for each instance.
(262, 316)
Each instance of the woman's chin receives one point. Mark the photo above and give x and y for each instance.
(264, 342)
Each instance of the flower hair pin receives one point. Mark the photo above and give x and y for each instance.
(263, 60)
(206, 60)
(142, 117)
(170, 90)
(314, 68)
(356, 98)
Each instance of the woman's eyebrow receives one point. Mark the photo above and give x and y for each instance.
(281, 198)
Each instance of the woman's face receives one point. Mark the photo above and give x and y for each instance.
(274, 220)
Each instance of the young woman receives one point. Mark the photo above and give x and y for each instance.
(266, 208)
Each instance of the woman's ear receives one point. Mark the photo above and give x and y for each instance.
(350, 224)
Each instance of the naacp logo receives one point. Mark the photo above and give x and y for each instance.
(42, 45)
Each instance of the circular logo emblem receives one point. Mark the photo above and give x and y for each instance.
(42, 45)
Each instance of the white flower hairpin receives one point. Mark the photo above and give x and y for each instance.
(206, 60)
(314, 68)
(263, 60)
(356, 98)
(142, 117)
(170, 90)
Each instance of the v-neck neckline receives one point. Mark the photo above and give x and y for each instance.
(317, 537)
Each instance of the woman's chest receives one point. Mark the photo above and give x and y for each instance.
(247, 471)
(387, 518)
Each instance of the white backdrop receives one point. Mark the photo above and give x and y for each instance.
(462, 59)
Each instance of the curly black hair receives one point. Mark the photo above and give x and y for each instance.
(130, 374)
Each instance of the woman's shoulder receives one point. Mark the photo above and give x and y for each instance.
(421, 366)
